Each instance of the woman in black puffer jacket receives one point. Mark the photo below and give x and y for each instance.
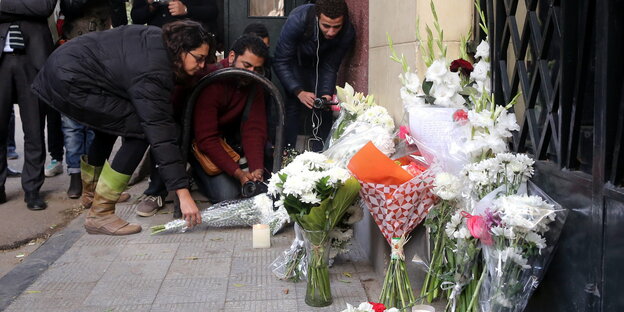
(119, 82)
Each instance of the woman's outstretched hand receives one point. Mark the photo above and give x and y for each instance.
(190, 212)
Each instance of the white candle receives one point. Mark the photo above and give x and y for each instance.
(423, 308)
(261, 236)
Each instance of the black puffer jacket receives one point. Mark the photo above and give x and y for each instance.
(297, 46)
(118, 81)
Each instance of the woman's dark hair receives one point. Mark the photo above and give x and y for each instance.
(252, 43)
(332, 8)
(183, 36)
(257, 29)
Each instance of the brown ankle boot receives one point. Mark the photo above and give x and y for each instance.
(101, 218)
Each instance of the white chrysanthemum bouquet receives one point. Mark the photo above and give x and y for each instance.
(316, 194)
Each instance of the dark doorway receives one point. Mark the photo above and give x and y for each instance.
(237, 14)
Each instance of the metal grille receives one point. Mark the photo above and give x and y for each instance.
(549, 60)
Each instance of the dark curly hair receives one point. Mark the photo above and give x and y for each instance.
(257, 29)
(183, 36)
(252, 43)
(332, 8)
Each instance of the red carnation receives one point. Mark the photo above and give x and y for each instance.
(378, 307)
(460, 116)
(465, 66)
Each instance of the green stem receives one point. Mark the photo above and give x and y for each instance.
(475, 294)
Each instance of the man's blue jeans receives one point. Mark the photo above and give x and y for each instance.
(78, 138)
(217, 188)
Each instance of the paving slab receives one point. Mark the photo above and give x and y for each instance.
(203, 270)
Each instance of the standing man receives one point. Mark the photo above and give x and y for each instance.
(25, 43)
(310, 49)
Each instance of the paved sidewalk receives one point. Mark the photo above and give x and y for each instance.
(205, 270)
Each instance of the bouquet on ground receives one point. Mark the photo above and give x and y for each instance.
(233, 213)
(518, 233)
(369, 307)
(397, 201)
(316, 194)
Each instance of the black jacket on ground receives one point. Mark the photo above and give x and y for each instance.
(297, 48)
(118, 81)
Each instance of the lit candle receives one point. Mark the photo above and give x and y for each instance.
(261, 236)
(423, 308)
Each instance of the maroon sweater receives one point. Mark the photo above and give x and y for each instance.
(219, 109)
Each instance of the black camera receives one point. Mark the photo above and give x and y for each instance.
(321, 103)
(253, 188)
(161, 2)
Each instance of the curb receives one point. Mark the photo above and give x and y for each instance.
(24, 274)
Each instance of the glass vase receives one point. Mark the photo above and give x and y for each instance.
(318, 291)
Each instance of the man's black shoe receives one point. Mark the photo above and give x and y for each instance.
(12, 173)
(2, 196)
(34, 201)
(75, 186)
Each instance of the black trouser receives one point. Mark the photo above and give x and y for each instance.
(56, 141)
(156, 185)
(127, 158)
(298, 114)
(11, 137)
(16, 75)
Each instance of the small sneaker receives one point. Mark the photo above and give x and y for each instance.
(54, 168)
(149, 205)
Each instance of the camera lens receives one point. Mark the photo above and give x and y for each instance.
(248, 189)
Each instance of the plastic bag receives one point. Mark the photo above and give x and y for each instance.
(514, 269)
(355, 137)
(291, 264)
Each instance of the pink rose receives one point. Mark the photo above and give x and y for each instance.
(478, 228)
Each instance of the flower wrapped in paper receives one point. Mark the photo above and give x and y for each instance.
(233, 213)
(398, 202)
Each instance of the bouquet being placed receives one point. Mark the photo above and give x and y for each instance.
(232, 213)
(397, 202)
(316, 194)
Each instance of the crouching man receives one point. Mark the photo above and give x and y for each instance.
(230, 116)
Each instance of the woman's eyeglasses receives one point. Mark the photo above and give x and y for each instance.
(198, 58)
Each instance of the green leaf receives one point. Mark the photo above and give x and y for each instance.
(330, 211)
(426, 86)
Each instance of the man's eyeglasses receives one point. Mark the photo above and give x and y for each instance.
(198, 58)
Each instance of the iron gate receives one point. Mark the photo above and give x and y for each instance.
(565, 58)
